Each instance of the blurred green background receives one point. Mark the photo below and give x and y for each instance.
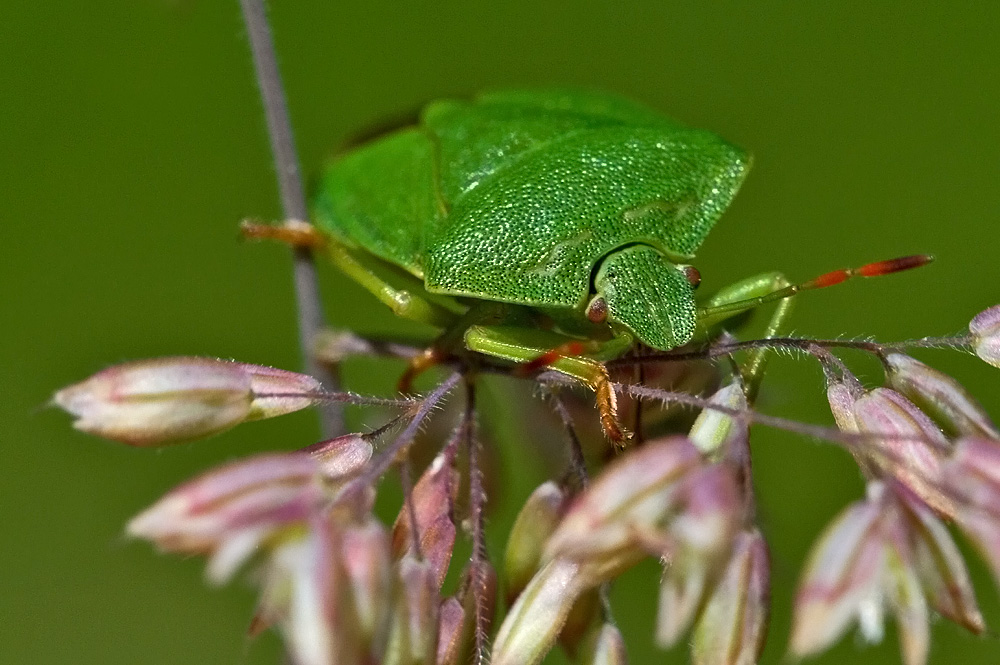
(132, 141)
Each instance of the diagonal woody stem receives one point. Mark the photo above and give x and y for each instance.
(293, 202)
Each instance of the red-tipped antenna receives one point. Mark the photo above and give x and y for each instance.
(876, 269)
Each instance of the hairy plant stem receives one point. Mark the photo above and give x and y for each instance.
(804, 345)
(852, 441)
(293, 203)
(577, 464)
(390, 454)
(346, 398)
(477, 502)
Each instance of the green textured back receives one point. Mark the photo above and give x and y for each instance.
(516, 195)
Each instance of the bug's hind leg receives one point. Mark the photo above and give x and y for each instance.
(538, 349)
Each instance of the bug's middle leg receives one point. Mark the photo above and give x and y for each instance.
(749, 289)
(535, 349)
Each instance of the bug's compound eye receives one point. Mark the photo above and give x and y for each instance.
(597, 310)
(692, 275)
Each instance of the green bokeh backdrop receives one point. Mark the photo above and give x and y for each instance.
(132, 141)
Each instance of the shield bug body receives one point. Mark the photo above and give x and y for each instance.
(549, 228)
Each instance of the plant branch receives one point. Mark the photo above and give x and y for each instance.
(293, 202)
(802, 344)
(391, 453)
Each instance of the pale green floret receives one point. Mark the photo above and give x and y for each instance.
(649, 295)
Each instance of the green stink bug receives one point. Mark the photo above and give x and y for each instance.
(521, 197)
(526, 221)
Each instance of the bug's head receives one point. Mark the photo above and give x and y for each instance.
(640, 289)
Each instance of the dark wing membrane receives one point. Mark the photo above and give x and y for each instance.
(381, 197)
(533, 229)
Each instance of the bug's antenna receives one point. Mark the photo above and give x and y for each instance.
(293, 201)
(875, 269)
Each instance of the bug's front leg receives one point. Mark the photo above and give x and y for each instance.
(536, 349)
(749, 290)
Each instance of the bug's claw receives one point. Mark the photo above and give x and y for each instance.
(292, 232)
(607, 406)
(418, 364)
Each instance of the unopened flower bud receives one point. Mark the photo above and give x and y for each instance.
(940, 396)
(230, 511)
(534, 524)
(433, 503)
(712, 429)
(972, 476)
(842, 395)
(414, 631)
(367, 563)
(634, 497)
(585, 613)
(451, 629)
(846, 577)
(701, 536)
(940, 567)
(305, 593)
(167, 400)
(604, 646)
(888, 552)
(341, 457)
(532, 625)
(908, 445)
(985, 329)
(278, 391)
(474, 603)
(733, 625)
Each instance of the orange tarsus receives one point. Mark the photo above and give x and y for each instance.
(292, 232)
(607, 406)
